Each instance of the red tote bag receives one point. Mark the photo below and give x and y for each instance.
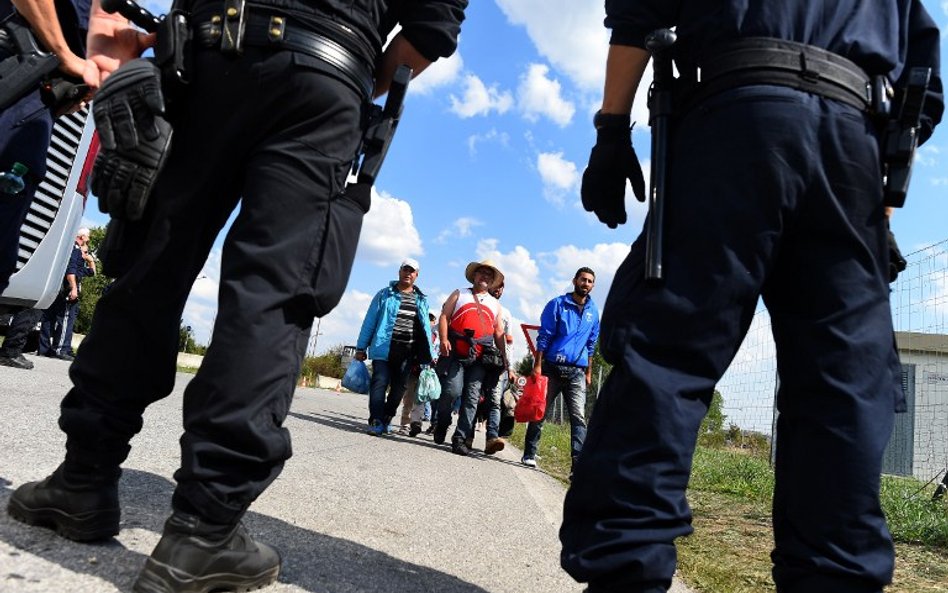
(532, 404)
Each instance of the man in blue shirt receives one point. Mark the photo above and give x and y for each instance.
(775, 191)
(565, 345)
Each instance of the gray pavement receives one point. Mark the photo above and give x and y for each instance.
(350, 512)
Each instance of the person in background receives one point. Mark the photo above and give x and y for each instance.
(395, 334)
(58, 320)
(470, 319)
(494, 392)
(566, 342)
(412, 412)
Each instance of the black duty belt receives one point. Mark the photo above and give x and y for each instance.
(279, 32)
(763, 60)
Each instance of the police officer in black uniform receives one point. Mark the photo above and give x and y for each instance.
(774, 190)
(272, 118)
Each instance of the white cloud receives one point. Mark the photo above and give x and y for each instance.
(342, 325)
(442, 73)
(927, 156)
(538, 95)
(568, 33)
(603, 258)
(459, 229)
(479, 99)
(503, 138)
(560, 176)
(388, 231)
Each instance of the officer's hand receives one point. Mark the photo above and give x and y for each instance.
(897, 263)
(611, 162)
(129, 115)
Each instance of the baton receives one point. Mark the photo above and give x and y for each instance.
(660, 108)
(133, 12)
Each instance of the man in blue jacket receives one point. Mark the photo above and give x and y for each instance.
(565, 345)
(394, 335)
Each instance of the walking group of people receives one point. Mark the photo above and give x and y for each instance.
(469, 342)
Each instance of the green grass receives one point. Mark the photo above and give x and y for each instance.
(730, 494)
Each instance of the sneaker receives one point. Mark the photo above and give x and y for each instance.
(376, 428)
(18, 362)
(414, 429)
(82, 514)
(430, 429)
(459, 447)
(440, 433)
(469, 441)
(494, 445)
(68, 357)
(529, 461)
(387, 425)
(194, 557)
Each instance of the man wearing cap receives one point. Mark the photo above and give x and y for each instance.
(395, 334)
(470, 321)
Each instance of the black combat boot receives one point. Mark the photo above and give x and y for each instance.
(194, 556)
(80, 511)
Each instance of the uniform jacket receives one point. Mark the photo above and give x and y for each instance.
(568, 333)
(376, 334)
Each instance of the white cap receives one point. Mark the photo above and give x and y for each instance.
(413, 263)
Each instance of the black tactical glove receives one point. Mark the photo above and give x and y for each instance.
(129, 114)
(611, 162)
(897, 263)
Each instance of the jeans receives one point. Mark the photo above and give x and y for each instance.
(571, 382)
(391, 374)
(459, 382)
(493, 405)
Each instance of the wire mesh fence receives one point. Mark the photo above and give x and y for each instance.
(919, 443)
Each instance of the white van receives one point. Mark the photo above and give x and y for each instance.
(55, 216)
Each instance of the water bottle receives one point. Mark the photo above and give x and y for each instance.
(11, 182)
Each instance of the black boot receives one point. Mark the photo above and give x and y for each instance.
(440, 433)
(194, 556)
(78, 511)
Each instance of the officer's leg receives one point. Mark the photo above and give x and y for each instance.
(23, 322)
(285, 261)
(25, 130)
(671, 342)
(829, 304)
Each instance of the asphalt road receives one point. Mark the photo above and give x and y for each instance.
(350, 512)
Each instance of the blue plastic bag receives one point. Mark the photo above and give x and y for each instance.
(429, 386)
(357, 377)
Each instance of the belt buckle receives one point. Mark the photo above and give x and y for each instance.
(232, 29)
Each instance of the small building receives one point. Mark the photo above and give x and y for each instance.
(919, 443)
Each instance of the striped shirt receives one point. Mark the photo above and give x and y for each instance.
(404, 329)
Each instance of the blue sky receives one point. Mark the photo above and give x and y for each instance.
(487, 164)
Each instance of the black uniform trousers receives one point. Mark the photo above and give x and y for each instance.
(25, 130)
(773, 192)
(271, 131)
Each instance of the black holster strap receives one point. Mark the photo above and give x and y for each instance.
(259, 32)
(762, 60)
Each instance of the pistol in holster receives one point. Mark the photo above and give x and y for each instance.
(900, 136)
(24, 64)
